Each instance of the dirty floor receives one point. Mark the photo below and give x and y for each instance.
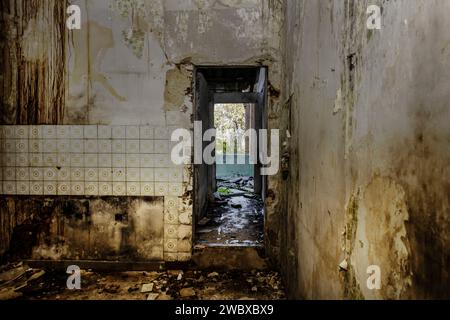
(234, 219)
(22, 283)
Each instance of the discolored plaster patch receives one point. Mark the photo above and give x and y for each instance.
(178, 84)
(380, 239)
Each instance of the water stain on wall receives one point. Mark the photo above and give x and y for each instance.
(33, 62)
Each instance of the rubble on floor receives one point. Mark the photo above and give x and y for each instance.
(22, 283)
(235, 216)
(16, 279)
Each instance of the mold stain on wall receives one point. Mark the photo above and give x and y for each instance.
(33, 62)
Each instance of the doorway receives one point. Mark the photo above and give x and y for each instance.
(229, 194)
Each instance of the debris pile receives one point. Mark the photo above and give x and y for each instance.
(17, 279)
(167, 285)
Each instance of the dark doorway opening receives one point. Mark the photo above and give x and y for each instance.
(229, 194)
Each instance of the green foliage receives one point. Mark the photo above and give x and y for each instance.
(224, 191)
(229, 118)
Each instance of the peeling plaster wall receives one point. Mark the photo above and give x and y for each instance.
(132, 64)
(370, 157)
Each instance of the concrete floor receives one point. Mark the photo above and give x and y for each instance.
(238, 222)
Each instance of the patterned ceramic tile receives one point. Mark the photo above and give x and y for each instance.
(171, 204)
(23, 187)
(161, 161)
(132, 132)
(9, 145)
(146, 133)
(133, 174)
(50, 188)
(161, 133)
(105, 189)
(132, 146)
(90, 132)
(147, 174)
(133, 160)
(170, 231)
(77, 174)
(147, 146)
(49, 146)
(9, 132)
(170, 256)
(119, 132)
(36, 188)
(63, 132)
(147, 161)
(91, 146)
(50, 174)
(50, 159)
(119, 160)
(22, 174)
(171, 245)
(118, 146)
(37, 174)
(22, 160)
(35, 146)
(91, 188)
(77, 188)
(176, 189)
(147, 189)
(176, 175)
(64, 188)
(9, 187)
(9, 174)
(91, 174)
(119, 174)
(161, 189)
(35, 132)
(48, 132)
(64, 174)
(9, 160)
(91, 160)
(161, 146)
(21, 146)
(105, 161)
(119, 189)
(171, 218)
(161, 175)
(77, 146)
(76, 132)
(104, 146)
(21, 132)
(133, 189)
(77, 160)
(184, 256)
(104, 132)
(105, 174)
(64, 160)
(63, 146)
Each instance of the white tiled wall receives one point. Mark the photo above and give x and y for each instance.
(88, 160)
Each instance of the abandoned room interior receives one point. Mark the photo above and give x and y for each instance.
(313, 139)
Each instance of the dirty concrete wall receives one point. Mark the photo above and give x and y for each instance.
(370, 160)
(131, 66)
